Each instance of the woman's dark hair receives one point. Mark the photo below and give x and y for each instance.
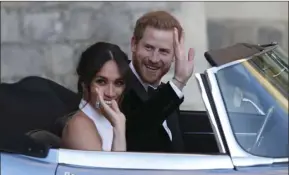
(93, 59)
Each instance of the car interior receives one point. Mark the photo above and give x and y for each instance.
(33, 105)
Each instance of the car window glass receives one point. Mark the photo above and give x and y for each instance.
(257, 104)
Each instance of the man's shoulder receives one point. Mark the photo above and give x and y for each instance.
(130, 96)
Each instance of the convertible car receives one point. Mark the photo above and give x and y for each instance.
(244, 129)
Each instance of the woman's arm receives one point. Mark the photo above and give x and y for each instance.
(81, 134)
(119, 139)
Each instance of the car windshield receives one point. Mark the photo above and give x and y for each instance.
(255, 94)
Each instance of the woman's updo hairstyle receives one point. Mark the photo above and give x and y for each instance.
(93, 59)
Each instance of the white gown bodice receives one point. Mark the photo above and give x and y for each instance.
(103, 126)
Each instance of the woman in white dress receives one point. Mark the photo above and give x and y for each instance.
(99, 125)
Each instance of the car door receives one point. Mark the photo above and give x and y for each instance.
(197, 132)
(13, 164)
(74, 162)
(196, 125)
(20, 154)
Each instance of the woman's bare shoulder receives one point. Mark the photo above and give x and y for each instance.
(79, 121)
(81, 133)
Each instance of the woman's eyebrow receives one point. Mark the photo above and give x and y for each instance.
(120, 79)
(100, 77)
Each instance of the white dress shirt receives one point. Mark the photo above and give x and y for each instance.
(145, 85)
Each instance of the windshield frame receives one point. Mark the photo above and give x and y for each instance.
(236, 151)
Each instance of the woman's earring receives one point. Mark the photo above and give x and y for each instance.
(97, 105)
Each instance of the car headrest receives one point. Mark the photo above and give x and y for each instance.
(34, 103)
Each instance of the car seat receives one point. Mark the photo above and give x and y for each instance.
(33, 105)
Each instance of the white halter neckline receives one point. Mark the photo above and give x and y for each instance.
(103, 126)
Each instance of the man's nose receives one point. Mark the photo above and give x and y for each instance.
(109, 91)
(154, 58)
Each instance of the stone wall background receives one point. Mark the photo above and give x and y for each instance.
(46, 38)
(253, 22)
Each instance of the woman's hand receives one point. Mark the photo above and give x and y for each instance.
(112, 113)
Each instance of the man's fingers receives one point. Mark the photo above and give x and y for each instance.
(176, 37)
(191, 54)
(182, 40)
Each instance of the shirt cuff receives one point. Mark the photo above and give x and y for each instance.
(177, 90)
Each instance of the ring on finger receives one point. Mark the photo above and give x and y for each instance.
(97, 105)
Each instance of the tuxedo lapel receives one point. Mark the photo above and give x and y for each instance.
(173, 125)
(134, 85)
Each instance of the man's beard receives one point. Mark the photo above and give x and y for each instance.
(139, 68)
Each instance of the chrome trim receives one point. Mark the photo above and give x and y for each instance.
(281, 160)
(223, 114)
(251, 161)
(251, 134)
(282, 70)
(230, 64)
(157, 161)
(261, 112)
(211, 114)
(200, 133)
(211, 133)
(243, 161)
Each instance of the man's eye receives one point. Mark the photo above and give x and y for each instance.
(164, 52)
(149, 47)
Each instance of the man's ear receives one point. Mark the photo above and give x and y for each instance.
(133, 44)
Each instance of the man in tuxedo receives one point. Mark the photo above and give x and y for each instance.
(152, 107)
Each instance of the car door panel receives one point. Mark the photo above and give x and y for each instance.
(264, 170)
(92, 162)
(68, 170)
(71, 170)
(246, 127)
(197, 132)
(13, 164)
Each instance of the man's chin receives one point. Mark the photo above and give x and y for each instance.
(150, 78)
(151, 81)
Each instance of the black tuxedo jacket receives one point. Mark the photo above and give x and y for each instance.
(145, 116)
